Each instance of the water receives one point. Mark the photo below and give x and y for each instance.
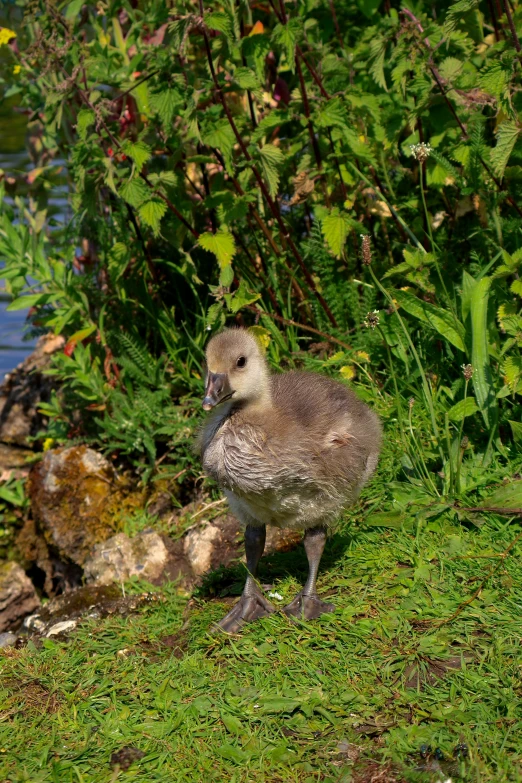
(15, 161)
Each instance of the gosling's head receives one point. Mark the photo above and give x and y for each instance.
(236, 369)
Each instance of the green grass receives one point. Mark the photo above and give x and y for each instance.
(284, 702)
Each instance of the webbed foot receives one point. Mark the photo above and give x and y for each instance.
(307, 607)
(247, 609)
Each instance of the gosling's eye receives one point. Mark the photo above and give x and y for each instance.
(241, 361)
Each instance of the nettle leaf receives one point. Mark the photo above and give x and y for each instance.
(286, 35)
(134, 191)
(241, 297)
(331, 113)
(86, 118)
(494, 80)
(273, 120)
(513, 371)
(246, 78)
(163, 178)
(221, 21)
(449, 68)
(221, 244)
(507, 136)
(221, 136)
(151, 213)
(516, 287)
(462, 409)
(335, 227)
(456, 11)
(378, 54)
(255, 49)
(138, 151)
(164, 104)
(272, 160)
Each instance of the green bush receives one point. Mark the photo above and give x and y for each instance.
(345, 173)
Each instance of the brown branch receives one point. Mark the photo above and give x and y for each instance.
(336, 24)
(492, 510)
(516, 42)
(290, 322)
(311, 133)
(146, 251)
(124, 94)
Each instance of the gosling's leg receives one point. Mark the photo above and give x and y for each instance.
(307, 605)
(252, 605)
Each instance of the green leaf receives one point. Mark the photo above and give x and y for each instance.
(221, 244)
(272, 120)
(507, 496)
(31, 300)
(138, 151)
(331, 113)
(85, 119)
(335, 229)
(507, 136)
(272, 160)
(134, 191)
(442, 321)
(246, 78)
(516, 429)
(164, 104)
(482, 381)
(516, 287)
(231, 753)
(391, 519)
(151, 213)
(378, 55)
(462, 409)
(241, 297)
(221, 21)
(74, 8)
(221, 136)
(275, 705)
(232, 724)
(286, 36)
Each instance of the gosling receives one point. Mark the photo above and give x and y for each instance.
(290, 450)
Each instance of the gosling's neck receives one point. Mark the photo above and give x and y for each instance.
(259, 402)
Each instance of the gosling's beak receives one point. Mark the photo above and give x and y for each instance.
(218, 390)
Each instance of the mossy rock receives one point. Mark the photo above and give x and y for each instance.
(78, 500)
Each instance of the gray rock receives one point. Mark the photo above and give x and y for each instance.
(64, 613)
(63, 627)
(7, 639)
(199, 545)
(23, 390)
(121, 557)
(17, 595)
(77, 500)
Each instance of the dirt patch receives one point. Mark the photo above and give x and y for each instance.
(373, 772)
(32, 697)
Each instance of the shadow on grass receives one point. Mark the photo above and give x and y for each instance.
(227, 581)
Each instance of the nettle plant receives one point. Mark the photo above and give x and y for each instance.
(345, 176)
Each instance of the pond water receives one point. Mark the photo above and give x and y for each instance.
(15, 162)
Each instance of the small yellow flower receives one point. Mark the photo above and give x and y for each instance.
(6, 35)
(48, 442)
(347, 372)
(17, 69)
(362, 356)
